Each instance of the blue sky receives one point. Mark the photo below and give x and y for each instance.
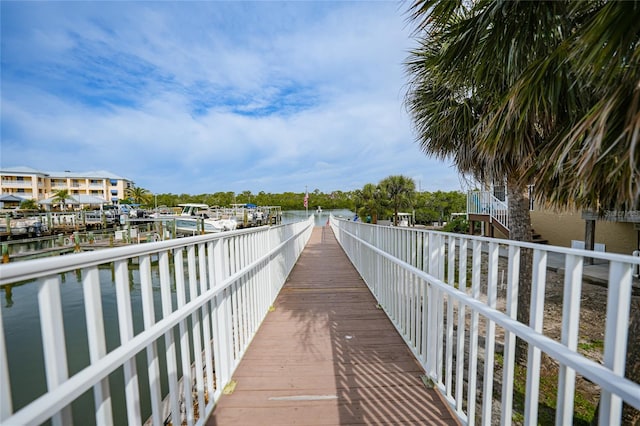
(201, 97)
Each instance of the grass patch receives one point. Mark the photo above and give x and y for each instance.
(592, 345)
(584, 408)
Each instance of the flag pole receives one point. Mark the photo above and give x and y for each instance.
(306, 200)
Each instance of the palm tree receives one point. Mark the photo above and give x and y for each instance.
(400, 191)
(543, 93)
(61, 196)
(372, 201)
(358, 199)
(593, 161)
(590, 110)
(29, 204)
(138, 195)
(469, 57)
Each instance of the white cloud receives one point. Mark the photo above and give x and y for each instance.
(213, 96)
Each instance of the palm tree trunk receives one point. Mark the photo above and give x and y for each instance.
(520, 230)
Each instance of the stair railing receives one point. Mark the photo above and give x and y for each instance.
(485, 203)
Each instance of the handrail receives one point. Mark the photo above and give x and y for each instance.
(485, 203)
(419, 278)
(224, 286)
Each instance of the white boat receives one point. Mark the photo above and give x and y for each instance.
(25, 226)
(194, 216)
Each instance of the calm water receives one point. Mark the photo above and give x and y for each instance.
(24, 342)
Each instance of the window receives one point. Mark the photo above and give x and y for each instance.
(114, 182)
(531, 196)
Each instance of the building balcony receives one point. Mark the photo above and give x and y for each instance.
(16, 184)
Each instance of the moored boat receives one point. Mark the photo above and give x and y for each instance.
(196, 218)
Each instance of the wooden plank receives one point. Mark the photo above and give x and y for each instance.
(327, 355)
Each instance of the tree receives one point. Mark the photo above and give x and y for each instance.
(29, 204)
(244, 197)
(469, 57)
(585, 98)
(61, 196)
(372, 201)
(400, 191)
(438, 206)
(540, 92)
(138, 195)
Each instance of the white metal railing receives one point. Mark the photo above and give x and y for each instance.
(17, 183)
(202, 299)
(420, 279)
(485, 203)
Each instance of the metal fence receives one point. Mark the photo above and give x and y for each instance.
(442, 290)
(201, 300)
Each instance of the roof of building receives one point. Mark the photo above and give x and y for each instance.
(102, 174)
(22, 170)
(9, 198)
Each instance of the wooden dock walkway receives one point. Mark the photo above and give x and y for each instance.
(328, 356)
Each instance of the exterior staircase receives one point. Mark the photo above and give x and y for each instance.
(483, 206)
(537, 238)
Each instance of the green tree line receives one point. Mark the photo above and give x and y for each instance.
(397, 193)
(382, 200)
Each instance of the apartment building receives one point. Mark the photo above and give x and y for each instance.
(38, 185)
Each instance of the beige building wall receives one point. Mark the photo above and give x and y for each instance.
(559, 228)
(25, 185)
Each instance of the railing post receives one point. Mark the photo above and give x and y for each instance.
(451, 280)
(5, 396)
(125, 322)
(196, 337)
(203, 266)
(570, 329)
(615, 336)
(96, 340)
(492, 296)
(185, 353)
(462, 286)
(52, 328)
(172, 363)
(473, 333)
(148, 313)
(534, 354)
(513, 276)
